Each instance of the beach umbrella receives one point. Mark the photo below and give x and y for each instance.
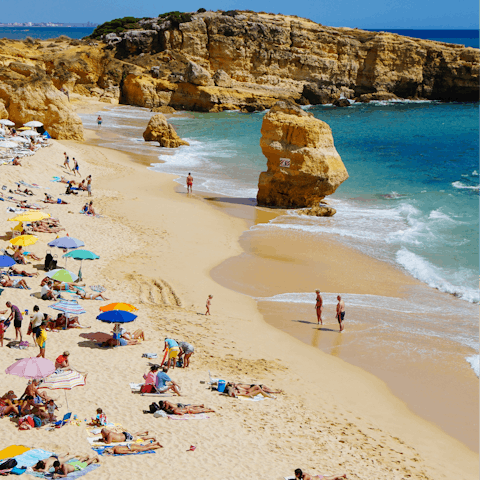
(5, 121)
(29, 217)
(18, 140)
(33, 123)
(119, 306)
(29, 133)
(65, 380)
(116, 316)
(33, 367)
(62, 275)
(82, 255)
(66, 242)
(19, 227)
(6, 261)
(69, 306)
(24, 240)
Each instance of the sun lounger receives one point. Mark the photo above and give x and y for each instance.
(64, 421)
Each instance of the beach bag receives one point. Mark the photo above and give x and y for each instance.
(17, 470)
(154, 407)
(10, 463)
(37, 421)
(53, 263)
(48, 259)
(147, 389)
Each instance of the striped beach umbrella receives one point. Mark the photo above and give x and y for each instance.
(69, 306)
(65, 380)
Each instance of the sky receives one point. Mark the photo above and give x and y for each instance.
(374, 14)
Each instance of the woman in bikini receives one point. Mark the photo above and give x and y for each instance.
(319, 307)
(181, 409)
(132, 448)
(306, 476)
(245, 390)
(91, 296)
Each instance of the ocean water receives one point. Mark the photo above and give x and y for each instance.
(43, 33)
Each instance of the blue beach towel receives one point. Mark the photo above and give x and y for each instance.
(30, 458)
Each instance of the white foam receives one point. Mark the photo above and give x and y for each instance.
(434, 276)
(461, 185)
(473, 360)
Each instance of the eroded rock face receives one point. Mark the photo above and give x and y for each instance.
(159, 130)
(319, 211)
(291, 136)
(40, 100)
(222, 79)
(197, 75)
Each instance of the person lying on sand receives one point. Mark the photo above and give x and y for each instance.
(121, 342)
(181, 409)
(306, 476)
(26, 191)
(18, 271)
(19, 257)
(59, 322)
(14, 283)
(63, 469)
(61, 286)
(132, 448)
(91, 296)
(20, 251)
(246, 390)
(47, 464)
(109, 436)
(137, 335)
(50, 199)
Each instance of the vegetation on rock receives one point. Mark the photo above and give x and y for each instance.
(116, 26)
(176, 17)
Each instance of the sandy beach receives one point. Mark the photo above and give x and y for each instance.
(157, 248)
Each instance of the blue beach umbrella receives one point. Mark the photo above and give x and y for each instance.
(66, 242)
(6, 261)
(116, 316)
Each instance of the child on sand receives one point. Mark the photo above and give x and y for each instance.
(209, 302)
(100, 420)
(51, 407)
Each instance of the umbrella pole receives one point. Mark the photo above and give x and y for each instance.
(66, 399)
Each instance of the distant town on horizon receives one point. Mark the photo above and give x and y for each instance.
(48, 24)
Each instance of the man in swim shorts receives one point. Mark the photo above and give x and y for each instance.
(306, 476)
(129, 449)
(109, 436)
(340, 312)
(173, 351)
(319, 307)
(189, 183)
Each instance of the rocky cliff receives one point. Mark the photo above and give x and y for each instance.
(303, 165)
(229, 60)
(158, 130)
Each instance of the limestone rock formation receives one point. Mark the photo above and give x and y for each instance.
(222, 79)
(319, 211)
(303, 165)
(163, 109)
(315, 95)
(158, 130)
(197, 75)
(341, 102)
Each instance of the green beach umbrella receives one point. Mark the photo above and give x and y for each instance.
(62, 275)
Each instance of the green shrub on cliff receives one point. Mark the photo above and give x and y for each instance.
(176, 17)
(116, 26)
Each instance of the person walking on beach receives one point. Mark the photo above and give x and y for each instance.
(42, 340)
(99, 120)
(17, 318)
(209, 302)
(75, 167)
(66, 163)
(340, 312)
(89, 185)
(319, 307)
(189, 183)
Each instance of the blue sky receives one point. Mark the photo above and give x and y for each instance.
(438, 14)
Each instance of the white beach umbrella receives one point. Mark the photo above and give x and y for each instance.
(7, 122)
(33, 123)
(8, 144)
(29, 133)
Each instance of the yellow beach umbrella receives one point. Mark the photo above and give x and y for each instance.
(24, 128)
(119, 306)
(24, 240)
(29, 217)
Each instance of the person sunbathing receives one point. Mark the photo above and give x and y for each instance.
(109, 436)
(72, 322)
(121, 342)
(33, 391)
(137, 335)
(50, 199)
(246, 390)
(307, 476)
(6, 404)
(19, 257)
(132, 448)
(82, 185)
(14, 283)
(26, 191)
(181, 409)
(63, 469)
(47, 464)
(16, 162)
(61, 286)
(91, 296)
(14, 270)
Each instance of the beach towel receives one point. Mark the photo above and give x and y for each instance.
(98, 288)
(149, 355)
(78, 473)
(101, 450)
(31, 457)
(196, 416)
(30, 185)
(12, 451)
(257, 398)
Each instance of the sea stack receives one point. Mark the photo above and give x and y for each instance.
(303, 165)
(159, 130)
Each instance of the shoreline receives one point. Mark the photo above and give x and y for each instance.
(384, 279)
(359, 373)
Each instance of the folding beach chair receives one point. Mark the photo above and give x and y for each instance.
(64, 421)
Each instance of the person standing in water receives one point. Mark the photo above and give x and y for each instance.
(319, 307)
(209, 302)
(99, 120)
(340, 312)
(189, 183)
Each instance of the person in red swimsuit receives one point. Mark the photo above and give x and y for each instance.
(189, 183)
